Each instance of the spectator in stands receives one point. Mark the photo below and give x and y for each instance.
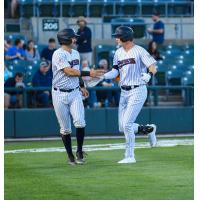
(47, 52)
(7, 73)
(92, 99)
(85, 65)
(84, 43)
(107, 96)
(14, 5)
(43, 78)
(158, 29)
(14, 98)
(153, 51)
(16, 52)
(31, 52)
(7, 45)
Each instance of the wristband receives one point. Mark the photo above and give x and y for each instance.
(85, 73)
(150, 73)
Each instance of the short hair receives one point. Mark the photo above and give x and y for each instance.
(17, 41)
(103, 62)
(156, 13)
(51, 40)
(19, 74)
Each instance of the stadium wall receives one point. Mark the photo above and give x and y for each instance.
(175, 28)
(26, 123)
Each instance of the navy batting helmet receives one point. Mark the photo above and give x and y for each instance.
(124, 33)
(65, 36)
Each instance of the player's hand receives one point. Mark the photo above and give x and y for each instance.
(150, 30)
(97, 72)
(84, 92)
(145, 77)
(18, 55)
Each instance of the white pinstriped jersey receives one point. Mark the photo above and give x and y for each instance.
(60, 60)
(131, 64)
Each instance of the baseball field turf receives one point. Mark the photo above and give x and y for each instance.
(161, 173)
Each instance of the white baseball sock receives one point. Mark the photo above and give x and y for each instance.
(131, 139)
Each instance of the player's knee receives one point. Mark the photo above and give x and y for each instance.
(128, 129)
(121, 128)
(79, 124)
(65, 132)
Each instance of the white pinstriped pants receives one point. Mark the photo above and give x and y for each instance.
(65, 104)
(130, 105)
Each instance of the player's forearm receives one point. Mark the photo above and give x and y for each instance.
(111, 74)
(152, 69)
(11, 57)
(157, 30)
(71, 72)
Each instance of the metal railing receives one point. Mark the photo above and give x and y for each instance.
(115, 11)
(187, 92)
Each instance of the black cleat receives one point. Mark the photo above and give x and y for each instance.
(145, 129)
(71, 160)
(79, 157)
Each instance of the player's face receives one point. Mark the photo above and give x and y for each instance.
(154, 18)
(73, 41)
(118, 41)
(18, 79)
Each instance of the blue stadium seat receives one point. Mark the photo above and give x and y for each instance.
(174, 77)
(31, 69)
(162, 66)
(103, 52)
(27, 8)
(40, 47)
(18, 66)
(188, 78)
(13, 37)
(48, 8)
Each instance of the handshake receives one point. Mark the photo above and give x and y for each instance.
(97, 79)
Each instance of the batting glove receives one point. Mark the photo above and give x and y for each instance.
(145, 77)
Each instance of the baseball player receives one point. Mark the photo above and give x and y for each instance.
(66, 93)
(135, 67)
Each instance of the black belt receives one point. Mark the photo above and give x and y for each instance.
(127, 88)
(63, 90)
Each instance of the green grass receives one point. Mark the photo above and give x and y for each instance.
(159, 174)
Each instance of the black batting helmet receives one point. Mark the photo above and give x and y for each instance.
(124, 33)
(65, 36)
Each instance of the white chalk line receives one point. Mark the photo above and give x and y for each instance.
(106, 147)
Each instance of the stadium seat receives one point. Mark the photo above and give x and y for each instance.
(18, 66)
(179, 9)
(174, 77)
(27, 8)
(149, 8)
(127, 9)
(188, 78)
(40, 47)
(67, 10)
(103, 52)
(48, 8)
(107, 9)
(162, 66)
(31, 69)
(79, 10)
(96, 10)
(13, 37)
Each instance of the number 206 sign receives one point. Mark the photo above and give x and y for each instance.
(50, 24)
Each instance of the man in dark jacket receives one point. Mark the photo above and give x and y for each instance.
(43, 78)
(14, 98)
(84, 44)
(47, 52)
